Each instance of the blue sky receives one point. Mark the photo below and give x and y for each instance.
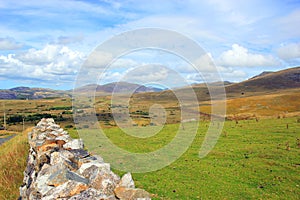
(44, 43)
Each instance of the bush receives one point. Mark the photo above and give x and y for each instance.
(69, 126)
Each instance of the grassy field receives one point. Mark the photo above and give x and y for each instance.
(13, 154)
(275, 105)
(252, 160)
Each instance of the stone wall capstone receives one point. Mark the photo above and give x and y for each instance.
(58, 167)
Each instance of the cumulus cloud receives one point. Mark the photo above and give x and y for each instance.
(239, 56)
(148, 73)
(205, 63)
(231, 74)
(98, 60)
(9, 44)
(53, 64)
(289, 51)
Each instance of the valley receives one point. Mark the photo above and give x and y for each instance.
(257, 154)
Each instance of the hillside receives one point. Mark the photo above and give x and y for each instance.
(266, 83)
(116, 87)
(32, 93)
(107, 89)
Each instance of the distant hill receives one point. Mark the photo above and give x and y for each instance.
(264, 83)
(107, 89)
(262, 74)
(32, 93)
(267, 82)
(218, 83)
(117, 87)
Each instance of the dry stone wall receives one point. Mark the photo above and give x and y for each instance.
(58, 167)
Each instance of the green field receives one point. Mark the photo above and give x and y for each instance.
(252, 160)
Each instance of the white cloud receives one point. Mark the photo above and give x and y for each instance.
(239, 56)
(230, 74)
(289, 51)
(148, 73)
(205, 63)
(9, 44)
(53, 63)
(98, 59)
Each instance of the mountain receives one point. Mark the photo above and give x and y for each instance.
(262, 74)
(218, 83)
(32, 93)
(117, 87)
(264, 83)
(267, 82)
(107, 89)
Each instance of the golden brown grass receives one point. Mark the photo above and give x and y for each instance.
(280, 104)
(13, 155)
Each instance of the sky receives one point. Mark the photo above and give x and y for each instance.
(44, 43)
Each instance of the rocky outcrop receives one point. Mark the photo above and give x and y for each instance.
(58, 167)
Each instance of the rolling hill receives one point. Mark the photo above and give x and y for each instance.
(32, 93)
(264, 83)
(117, 87)
(101, 90)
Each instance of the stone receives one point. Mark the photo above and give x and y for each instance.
(124, 193)
(74, 144)
(127, 181)
(61, 176)
(65, 157)
(66, 190)
(86, 166)
(42, 178)
(79, 153)
(47, 147)
(65, 138)
(104, 180)
(92, 194)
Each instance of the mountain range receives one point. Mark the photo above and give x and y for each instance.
(107, 89)
(263, 83)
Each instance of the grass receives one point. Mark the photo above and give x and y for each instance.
(13, 154)
(279, 104)
(254, 160)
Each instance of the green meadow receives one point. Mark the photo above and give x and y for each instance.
(251, 160)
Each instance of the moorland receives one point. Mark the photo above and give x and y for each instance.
(256, 156)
